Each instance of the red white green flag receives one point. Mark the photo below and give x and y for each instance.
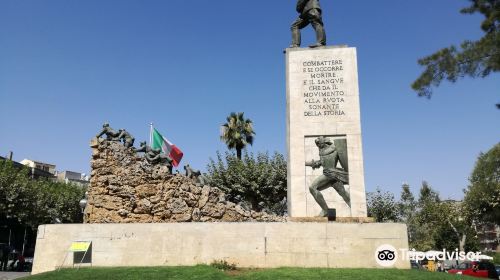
(160, 142)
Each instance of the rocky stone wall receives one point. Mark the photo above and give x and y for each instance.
(125, 188)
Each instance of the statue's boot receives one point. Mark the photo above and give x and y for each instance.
(317, 45)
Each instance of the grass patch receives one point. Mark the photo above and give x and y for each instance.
(208, 272)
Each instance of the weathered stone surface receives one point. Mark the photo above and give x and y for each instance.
(323, 100)
(125, 188)
(258, 245)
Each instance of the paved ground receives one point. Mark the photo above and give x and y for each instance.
(12, 275)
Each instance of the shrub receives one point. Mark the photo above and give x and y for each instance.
(223, 265)
(260, 182)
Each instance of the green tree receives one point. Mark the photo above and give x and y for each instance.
(34, 202)
(457, 228)
(16, 195)
(428, 219)
(260, 181)
(473, 58)
(482, 197)
(57, 200)
(237, 132)
(382, 206)
(428, 195)
(407, 209)
(438, 224)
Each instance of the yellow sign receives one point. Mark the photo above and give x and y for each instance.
(80, 246)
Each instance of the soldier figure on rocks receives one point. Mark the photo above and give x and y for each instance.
(128, 139)
(142, 148)
(309, 13)
(196, 175)
(154, 156)
(111, 134)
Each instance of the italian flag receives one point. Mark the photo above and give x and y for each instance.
(160, 142)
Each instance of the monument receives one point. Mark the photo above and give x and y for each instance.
(140, 214)
(136, 185)
(323, 109)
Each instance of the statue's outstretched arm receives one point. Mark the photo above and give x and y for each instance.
(121, 134)
(314, 164)
(101, 134)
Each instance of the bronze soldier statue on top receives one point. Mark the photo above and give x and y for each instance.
(309, 13)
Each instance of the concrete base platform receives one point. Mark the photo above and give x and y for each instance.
(337, 220)
(263, 245)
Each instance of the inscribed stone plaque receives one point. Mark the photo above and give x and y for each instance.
(323, 100)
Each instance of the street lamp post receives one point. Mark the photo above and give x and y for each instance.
(83, 205)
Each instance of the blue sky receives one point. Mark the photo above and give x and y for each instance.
(67, 66)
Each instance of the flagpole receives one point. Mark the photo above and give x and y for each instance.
(151, 134)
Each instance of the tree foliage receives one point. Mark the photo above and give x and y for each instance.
(428, 218)
(260, 181)
(16, 195)
(473, 58)
(440, 224)
(382, 206)
(35, 202)
(407, 210)
(482, 197)
(432, 224)
(237, 132)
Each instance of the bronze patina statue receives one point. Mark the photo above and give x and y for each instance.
(330, 156)
(154, 156)
(196, 175)
(309, 13)
(111, 134)
(142, 147)
(128, 139)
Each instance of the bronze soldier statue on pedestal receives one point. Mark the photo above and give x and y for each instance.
(309, 13)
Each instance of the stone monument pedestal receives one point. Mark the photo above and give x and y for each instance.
(323, 100)
(259, 245)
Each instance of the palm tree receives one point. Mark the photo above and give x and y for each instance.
(237, 132)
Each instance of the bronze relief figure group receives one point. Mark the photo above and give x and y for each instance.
(151, 155)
